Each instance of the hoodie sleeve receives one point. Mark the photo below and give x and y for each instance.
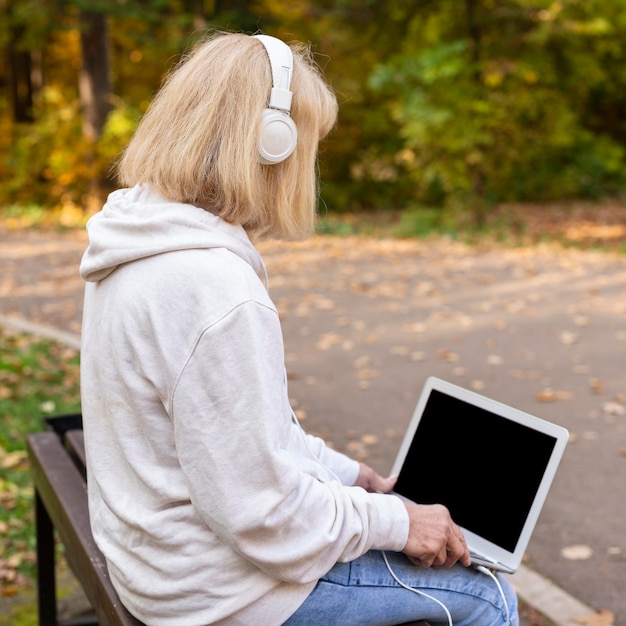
(250, 477)
(345, 468)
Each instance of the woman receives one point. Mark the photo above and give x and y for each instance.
(209, 502)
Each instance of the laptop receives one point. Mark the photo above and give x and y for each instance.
(490, 464)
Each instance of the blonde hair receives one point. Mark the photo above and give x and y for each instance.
(197, 142)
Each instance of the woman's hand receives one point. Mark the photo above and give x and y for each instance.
(434, 539)
(374, 482)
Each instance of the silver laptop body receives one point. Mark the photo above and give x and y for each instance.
(490, 464)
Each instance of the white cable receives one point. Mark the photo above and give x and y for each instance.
(417, 591)
(488, 572)
(480, 568)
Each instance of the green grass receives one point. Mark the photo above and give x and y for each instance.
(38, 378)
(592, 227)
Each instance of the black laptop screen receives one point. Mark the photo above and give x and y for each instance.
(485, 468)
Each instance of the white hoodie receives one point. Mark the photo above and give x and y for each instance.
(208, 501)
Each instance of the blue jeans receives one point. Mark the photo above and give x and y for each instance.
(364, 593)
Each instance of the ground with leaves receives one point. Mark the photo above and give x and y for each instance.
(38, 377)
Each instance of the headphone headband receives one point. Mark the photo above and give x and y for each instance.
(281, 62)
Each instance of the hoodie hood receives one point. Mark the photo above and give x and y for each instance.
(136, 223)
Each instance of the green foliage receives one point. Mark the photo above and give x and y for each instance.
(455, 103)
(53, 163)
(41, 161)
(486, 122)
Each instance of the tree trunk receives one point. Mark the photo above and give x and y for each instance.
(21, 87)
(95, 94)
(94, 80)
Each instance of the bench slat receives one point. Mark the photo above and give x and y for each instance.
(75, 444)
(63, 491)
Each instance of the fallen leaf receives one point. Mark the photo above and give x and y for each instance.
(47, 407)
(10, 591)
(369, 440)
(551, 395)
(546, 395)
(578, 552)
(568, 337)
(367, 374)
(15, 560)
(447, 355)
(328, 340)
(361, 362)
(11, 460)
(597, 386)
(613, 408)
(357, 450)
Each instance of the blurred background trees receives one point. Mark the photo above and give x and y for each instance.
(445, 104)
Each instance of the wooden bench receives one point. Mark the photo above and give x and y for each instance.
(58, 468)
(57, 462)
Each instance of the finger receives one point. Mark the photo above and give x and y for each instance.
(436, 555)
(465, 557)
(457, 550)
(383, 485)
(387, 484)
(451, 559)
(441, 558)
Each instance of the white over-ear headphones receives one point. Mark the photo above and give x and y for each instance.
(278, 135)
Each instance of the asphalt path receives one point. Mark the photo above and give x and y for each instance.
(366, 321)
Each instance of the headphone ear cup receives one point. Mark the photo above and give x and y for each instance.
(278, 136)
